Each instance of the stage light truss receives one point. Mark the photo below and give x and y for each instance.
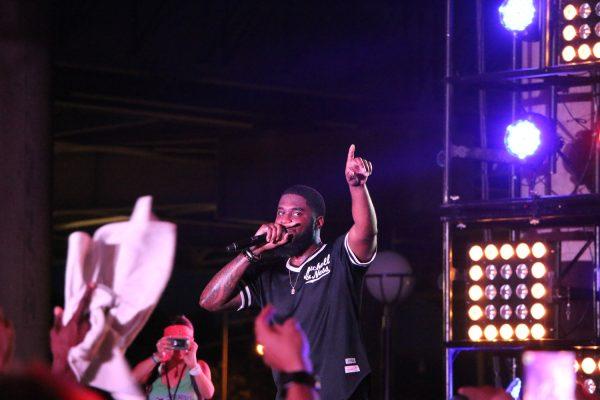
(508, 292)
(579, 31)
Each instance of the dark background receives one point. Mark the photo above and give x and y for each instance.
(215, 107)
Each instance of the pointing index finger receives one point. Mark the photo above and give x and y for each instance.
(58, 313)
(351, 152)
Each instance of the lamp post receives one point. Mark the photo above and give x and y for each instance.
(390, 280)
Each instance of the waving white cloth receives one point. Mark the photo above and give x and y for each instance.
(131, 263)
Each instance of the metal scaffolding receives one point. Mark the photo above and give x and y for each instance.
(517, 211)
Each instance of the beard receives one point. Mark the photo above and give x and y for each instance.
(296, 246)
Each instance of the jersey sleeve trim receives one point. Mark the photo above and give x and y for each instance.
(243, 301)
(353, 259)
(245, 297)
(247, 289)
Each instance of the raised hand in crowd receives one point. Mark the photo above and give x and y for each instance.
(286, 349)
(7, 342)
(63, 337)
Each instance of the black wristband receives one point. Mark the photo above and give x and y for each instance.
(300, 377)
(250, 256)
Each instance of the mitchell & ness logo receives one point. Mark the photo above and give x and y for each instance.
(316, 272)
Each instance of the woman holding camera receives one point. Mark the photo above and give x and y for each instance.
(173, 372)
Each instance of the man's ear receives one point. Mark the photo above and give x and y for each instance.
(319, 222)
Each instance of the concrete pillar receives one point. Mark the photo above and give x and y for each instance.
(25, 149)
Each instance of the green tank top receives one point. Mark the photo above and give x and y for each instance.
(185, 392)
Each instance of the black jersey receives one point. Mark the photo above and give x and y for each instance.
(323, 294)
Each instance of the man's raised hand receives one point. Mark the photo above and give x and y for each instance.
(64, 337)
(358, 169)
(276, 235)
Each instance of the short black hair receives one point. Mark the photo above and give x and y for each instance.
(181, 320)
(313, 198)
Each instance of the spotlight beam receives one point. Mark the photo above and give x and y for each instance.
(481, 154)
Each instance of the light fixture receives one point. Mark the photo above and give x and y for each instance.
(538, 290)
(522, 250)
(490, 292)
(569, 32)
(522, 331)
(509, 300)
(475, 273)
(521, 311)
(491, 272)
(505, 292)
(585, 31)
(521, 271)
(517, 15)
(491, 252)
(587, 374)
(506, 332)
(506, 271)
(475, 333)
(589, 386)
(538, 250)
(570, 12)
(538, 331)
(507, 251)
(490, 332)
(580, 30)
(585, 10)
(568, 53)
(531, 138)
(588, 365)
(596, 49)
(475, 313)
(521, 291)
(505, 311)
(522, 139)
(475, 253)
(538, 311)
(584, 51)
(490, 312)
(538, 270)
(475, 293)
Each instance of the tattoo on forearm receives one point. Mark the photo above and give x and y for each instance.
(221, 286)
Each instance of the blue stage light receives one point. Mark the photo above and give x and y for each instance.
(517, 15)
(523, 139)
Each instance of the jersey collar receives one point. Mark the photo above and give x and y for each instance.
(299, 268)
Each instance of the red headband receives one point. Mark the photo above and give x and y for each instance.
(179, 331)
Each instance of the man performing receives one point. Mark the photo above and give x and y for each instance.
(317, 284)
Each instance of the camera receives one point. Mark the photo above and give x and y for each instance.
(178, 343)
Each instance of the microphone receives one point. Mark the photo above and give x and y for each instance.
(257, 240)
(242, 244)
